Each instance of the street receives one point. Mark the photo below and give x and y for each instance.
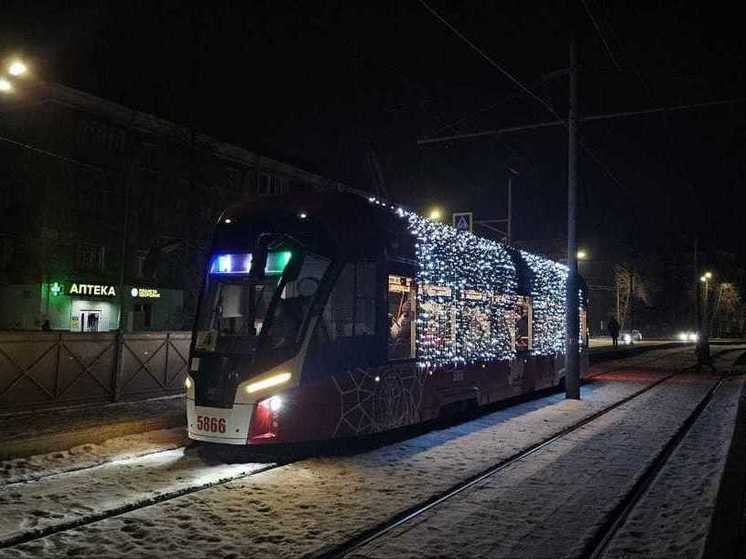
(549, 503)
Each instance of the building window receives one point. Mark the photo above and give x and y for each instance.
(89, 258)
(271, 185)
(6, 252)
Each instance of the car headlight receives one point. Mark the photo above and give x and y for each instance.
(627, 338)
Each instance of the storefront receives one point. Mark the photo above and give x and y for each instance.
(79, 306)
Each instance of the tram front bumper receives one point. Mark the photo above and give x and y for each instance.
(219, 425)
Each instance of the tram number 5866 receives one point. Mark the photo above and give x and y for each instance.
(212, 424)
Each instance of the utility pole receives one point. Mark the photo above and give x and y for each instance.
(572, 369)
(512, 172)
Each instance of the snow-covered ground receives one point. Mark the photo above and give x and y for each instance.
(307, 506)
(673, 517)
(552, 503)
(115, 486)
(89, 455)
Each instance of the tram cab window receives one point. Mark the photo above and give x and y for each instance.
(345, 332)
(237, 309)
(401, 316)
(522, 327)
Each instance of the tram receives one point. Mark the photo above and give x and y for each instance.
(337, 315)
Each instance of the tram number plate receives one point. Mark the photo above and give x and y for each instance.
(212, 424)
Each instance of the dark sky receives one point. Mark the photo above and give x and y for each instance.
(325, 84)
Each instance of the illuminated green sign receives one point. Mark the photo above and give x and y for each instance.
(55, 289)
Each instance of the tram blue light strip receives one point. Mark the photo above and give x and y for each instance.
(240, 263)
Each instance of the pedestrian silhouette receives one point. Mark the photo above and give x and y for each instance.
(613, 328)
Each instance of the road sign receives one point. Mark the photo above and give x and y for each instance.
(463, 221)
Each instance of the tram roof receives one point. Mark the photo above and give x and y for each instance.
(347, 223)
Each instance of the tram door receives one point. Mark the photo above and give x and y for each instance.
(89, 321)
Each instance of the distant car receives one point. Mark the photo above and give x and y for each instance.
(688, 336)
(628, 337)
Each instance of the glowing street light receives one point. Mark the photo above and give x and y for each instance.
(708, 275)
(5, 85)
(436, 214)
(17, 68)
(582, 255)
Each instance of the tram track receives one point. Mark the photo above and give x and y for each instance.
(30, 535)
(597, 545)
(615, 520)
(32, 478)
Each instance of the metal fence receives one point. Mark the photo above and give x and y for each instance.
(49, 369)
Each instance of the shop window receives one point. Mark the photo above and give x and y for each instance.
(401, 316)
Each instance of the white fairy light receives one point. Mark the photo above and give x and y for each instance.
(467, 297)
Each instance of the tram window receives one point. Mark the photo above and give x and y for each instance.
(401, 313)
(522, 327)
(295, 301)
(345, 332)
(365, 299)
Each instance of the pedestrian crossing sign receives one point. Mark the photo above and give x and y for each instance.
(463, 221)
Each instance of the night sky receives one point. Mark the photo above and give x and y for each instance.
(325, 84)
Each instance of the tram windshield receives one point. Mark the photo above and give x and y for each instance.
(243, 311)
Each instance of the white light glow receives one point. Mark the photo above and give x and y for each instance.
(17, 68)
(275, 403)
(188, 383)
(5, 85)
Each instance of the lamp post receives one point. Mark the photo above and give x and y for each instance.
(704, 334)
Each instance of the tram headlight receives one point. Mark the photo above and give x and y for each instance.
(268, 382)
(275, 403)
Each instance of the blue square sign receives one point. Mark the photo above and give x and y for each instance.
(463, 221)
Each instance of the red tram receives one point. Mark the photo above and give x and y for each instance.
(335, 315)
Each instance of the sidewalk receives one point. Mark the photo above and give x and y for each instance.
(26, 434)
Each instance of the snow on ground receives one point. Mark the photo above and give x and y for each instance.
(89, 455)
(673, 517)
(300, 508)
(303, 507)
(551, 503)
(113, 486)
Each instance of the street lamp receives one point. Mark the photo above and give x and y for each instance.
(17, 68)
(14, 69)
(582, 254)
(435, 214)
